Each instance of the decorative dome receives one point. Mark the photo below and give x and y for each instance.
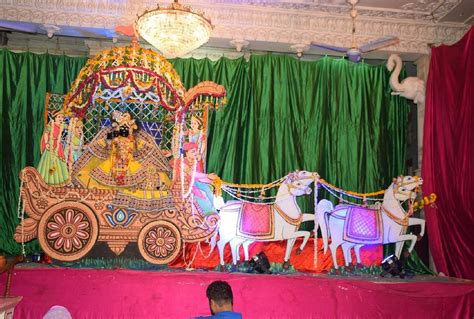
(139, 73)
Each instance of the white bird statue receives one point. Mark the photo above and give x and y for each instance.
(411, 88)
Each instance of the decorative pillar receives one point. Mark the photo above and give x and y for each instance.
(422, 67)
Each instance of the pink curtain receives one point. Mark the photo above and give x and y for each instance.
(448, 157)
(119, 293)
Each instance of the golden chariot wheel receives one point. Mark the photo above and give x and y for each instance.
(67, 231)
(159, 242)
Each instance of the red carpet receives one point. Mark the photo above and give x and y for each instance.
(140, 294)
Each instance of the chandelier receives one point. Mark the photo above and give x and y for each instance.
(175, 30)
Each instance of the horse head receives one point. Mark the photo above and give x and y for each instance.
(298, 182)
(406, 187)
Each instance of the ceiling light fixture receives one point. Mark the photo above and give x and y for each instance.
(175, 30)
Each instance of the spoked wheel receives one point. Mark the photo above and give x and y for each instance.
(159, 242)
(67, 231)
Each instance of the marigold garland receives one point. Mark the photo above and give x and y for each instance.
(427, 200)
(380, 192)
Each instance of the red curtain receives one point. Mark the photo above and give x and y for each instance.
(448, 164)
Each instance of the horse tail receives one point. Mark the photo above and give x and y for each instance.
(323, 210)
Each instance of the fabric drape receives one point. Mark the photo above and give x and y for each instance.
(24, 80)
(447, 166)
(329, 116)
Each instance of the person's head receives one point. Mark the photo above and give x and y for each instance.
(196, 123)
(123, 123)
(78, 127)
(58, 117)
(220, 297)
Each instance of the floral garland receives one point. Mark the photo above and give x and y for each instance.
(21, 214)
(351, 193)
(427, 200)
(247, 192)
(120, 165)
(236, 191)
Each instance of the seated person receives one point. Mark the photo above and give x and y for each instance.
(195, 180)
(221, 301)
(199, 184)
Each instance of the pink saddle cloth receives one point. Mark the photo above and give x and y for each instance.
(363, 225)
(256, 221)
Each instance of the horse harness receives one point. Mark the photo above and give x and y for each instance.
(402, 221)
(293, 221)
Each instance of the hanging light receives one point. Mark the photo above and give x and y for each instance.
(175, 30)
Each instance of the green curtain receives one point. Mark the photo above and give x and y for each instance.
(329, 116)
(24, 80)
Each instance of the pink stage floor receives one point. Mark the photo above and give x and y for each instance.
(91, 293)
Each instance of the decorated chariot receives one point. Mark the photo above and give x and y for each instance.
(122, 161)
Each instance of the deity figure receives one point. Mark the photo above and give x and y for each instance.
(52, 166)
(126, 159)
(122, 143)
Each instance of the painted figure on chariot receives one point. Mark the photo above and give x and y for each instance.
(195, 147)
(75, 141)
(124, 158)
(52, 166)
(192, 167)
(203, 193)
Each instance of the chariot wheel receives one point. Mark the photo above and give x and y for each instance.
(159, 242)
(67, 231)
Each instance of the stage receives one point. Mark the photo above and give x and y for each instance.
(93, 293)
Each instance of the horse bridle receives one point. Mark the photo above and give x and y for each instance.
(314, 177)
(396, 190)
(408, 193)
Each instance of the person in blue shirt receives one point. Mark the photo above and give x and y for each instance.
(221, 301)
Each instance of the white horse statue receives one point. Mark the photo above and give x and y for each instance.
(243, 223)
(354, 226)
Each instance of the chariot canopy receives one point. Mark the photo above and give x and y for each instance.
(136, 74)
(141, 82)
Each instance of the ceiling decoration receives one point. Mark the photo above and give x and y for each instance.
(269, 25)
(409, 9)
